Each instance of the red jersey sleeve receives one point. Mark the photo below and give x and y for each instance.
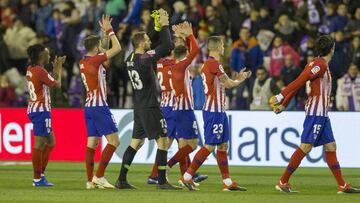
(313, 70)
(216, 68)
(194, 50)
(46, 78)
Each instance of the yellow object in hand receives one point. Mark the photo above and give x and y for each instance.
(156, 15)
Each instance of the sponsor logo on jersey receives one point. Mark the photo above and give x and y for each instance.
(315, 69)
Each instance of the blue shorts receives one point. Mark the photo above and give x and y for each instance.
(41, 123)
(170, 121)
(317, 131)
(216, 128)
(186, 125)
(99, 121)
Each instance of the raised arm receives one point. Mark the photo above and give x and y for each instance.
(57, 69)
(105, 24)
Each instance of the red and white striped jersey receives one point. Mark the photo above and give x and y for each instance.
(182, 80)
(93, 75)
(39, 81)
(318, 73)
(164, 76)
(214, 89)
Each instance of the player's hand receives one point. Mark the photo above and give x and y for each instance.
(186, 28)
(243, 74)
(105, 23)
(163, 18)
(278, 109)
(177, 30)
(58, 62)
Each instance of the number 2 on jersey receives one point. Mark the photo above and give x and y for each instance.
(206, 89)
(161, 80)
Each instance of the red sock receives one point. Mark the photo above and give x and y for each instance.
(154, 172)
(334, 167)
(184, 165)
(45, 157)
(180, 155)
(294, 163)
(198, 160)
(222, 161)
(89, 163)
(105, 158)
(36, 162)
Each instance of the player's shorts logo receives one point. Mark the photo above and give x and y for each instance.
(218, 136)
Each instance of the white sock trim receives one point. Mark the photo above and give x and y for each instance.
(187, 176)
(227, 181)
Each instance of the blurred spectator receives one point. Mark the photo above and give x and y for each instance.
(340, 58)
(26, 12)
(348, 90)
(202, 39)
(42, 15)
(221, 12)
(287, 29)
(93, 14)
(213, 24)
(262, 89)
(4, 53)
(134, 13)
(71, 31)
(18, 38)
(309, 14)
(7, 13)
(327, 18)
(339, 22)
(54, 28)
(117, 10)
(180, 14)
(246, 52)
(354, 52)
(279, 50)
(75, 90)
(238, 11)
(252, 22)
(146, 20)
(196, 7)
(198, 88)
(353, 26)
(265, 21)
(7, 93)
(287, 8)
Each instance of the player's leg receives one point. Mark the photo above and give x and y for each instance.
(294, 162)
(42, 129)
(49, 145)
(92, 144)
(127, 159)
(113, 143)
(153, 178)
(186, 146)
(331, 159)
(161, 161)
(222, 162)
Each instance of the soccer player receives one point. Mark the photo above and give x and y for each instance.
(187, 132)
(216, 126)
(99, 120)
(167, 71)
(317, 127)
(39, 81)
(148, 119)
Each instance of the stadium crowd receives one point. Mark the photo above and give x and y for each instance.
(273, 38)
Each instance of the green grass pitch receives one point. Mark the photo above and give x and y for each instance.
(314, 184)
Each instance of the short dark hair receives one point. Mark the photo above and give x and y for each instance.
(91, 41)
(261, 67)
(137, 38)
(34, 53)
(213, 42)
(323, 45)
(180, 51)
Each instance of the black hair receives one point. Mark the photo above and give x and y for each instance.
(180, 51)
(34, 52)
(323, 45)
